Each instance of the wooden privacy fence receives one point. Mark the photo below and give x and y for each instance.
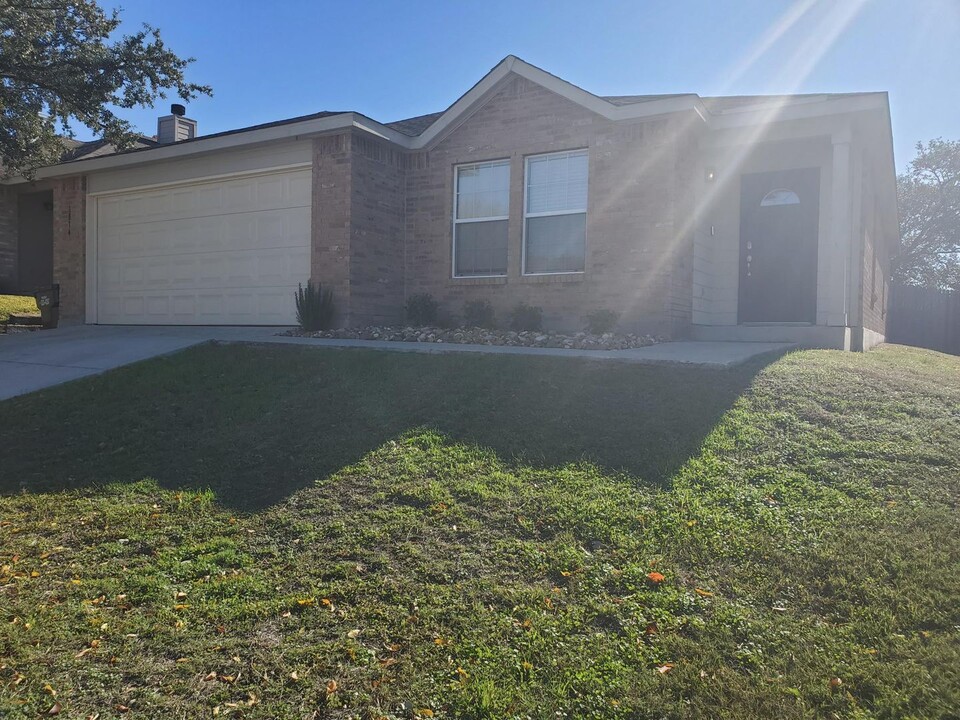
(925, 317)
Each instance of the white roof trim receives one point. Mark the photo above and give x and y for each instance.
(760, 113)
(801, 109)
(202, 145)
(511, 64)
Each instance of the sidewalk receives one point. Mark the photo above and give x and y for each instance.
(686, 352)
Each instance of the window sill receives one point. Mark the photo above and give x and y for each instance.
(495, 280)
(553, 278)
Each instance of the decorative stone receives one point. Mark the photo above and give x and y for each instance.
(486, 336)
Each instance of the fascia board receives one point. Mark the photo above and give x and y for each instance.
(803, 110)
(198, 146)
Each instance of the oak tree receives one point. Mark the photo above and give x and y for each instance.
(929, 200)
(61, 65)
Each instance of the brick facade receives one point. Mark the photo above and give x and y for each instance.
(8, 240)
(69, 246)
(875, 271)
(357, 235)
(636, 262)
(382, 227)
(382, 216)
(876, 285)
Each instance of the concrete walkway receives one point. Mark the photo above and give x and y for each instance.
(32, 361)
(687, 352)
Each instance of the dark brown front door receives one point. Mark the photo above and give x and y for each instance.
(779, 221)
(35, 246)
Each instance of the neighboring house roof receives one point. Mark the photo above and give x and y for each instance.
(76, 149)
(423, 130)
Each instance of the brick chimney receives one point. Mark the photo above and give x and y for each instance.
(175, 127)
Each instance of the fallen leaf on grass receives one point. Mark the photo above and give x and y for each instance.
(703, 593)
(655, 577)
(353, 633)
(665, 668)
(55, 709)
(331, 687)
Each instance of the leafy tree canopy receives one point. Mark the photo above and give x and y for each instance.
(929, 198)
(61, 64)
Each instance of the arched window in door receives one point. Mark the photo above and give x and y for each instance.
(780, 196)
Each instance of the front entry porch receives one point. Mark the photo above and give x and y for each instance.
(780, 225)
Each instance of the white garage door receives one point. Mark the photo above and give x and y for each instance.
(229, 252)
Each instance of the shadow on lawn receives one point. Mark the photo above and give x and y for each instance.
(255, 424)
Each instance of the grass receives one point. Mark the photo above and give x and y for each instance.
(16, 304)
(276, 532)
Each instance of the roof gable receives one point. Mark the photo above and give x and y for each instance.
(614, 108)
(424, 131)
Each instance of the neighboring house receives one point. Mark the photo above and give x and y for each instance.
(748, 218)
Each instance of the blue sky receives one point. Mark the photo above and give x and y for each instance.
(271, 60)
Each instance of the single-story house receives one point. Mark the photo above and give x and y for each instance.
(747, 218)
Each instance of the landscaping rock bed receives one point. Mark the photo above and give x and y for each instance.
(484, 336)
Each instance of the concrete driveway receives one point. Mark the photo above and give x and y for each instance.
(35, 360)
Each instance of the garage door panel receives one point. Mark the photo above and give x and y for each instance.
(267, 192)
(288, 227)
(230, 252)
(248, 268)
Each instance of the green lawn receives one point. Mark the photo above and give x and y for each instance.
(265, 532)
(16, 304)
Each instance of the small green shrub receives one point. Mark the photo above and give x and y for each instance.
(478, 313)
(601, 321)
(526, 317)
(314, 307)
(421, 309)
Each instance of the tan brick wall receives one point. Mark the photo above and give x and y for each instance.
(376, 233)
(330, 226)
(876, 269)
(358, 205)
(638, 253)
(8, 239)
(875, 283)
(69, 246)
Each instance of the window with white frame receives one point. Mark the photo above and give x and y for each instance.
(481, 209)
(555, 213)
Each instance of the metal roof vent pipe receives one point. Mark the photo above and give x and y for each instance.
(175, 127)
